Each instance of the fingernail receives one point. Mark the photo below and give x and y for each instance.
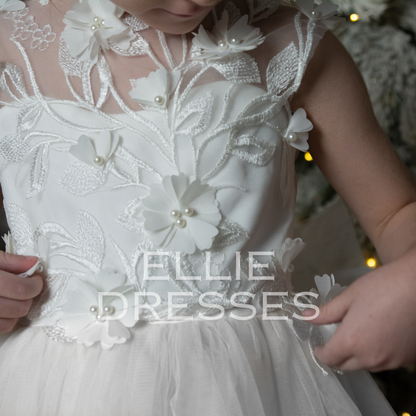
(31, 257)
(308, 312)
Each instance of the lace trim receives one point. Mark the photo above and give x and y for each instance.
(26, 28)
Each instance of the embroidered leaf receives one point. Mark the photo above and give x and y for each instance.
(262, 9)
(81, 179)
(200, 109)
(54, 288)
(14, 73)
(13, 148)
(28, 116)
(105, 76)
(53, 228)
(20, 227)
(259, 158)
(239, 68)
(131, 218)
(233, 13)
(38, 171)
(282, 70)
(127, 266)
(230, 232)
(90, 239)
(86, 81)
(70, 65)
(138, 46)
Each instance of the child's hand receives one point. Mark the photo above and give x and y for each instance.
(377, 316)
(16, 293)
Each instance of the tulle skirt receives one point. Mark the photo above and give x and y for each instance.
(196, 368)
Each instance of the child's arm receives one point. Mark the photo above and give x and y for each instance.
(377, 313)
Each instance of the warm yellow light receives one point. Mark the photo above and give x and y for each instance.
(405, 414)
(372, 263)
(354, 17)
(308, 157)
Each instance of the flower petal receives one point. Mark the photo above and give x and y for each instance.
(182, 241)
(194, 191)
(84, 150)
(202, 233)
(306, 6)
(289, 251)
(157, 220)
(299, 122)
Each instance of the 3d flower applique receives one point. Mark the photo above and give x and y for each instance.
(324, 12)
(9, 248)
(90, 25)
(327, 290)
(181, 214)
(288, 252)
(297, 132)
(11, 5)
(85, 320)
(155, 89)
(222, 41)
(96, 151)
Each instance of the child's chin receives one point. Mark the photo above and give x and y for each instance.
(175, 25)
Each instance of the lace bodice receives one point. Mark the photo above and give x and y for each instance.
(153, 161)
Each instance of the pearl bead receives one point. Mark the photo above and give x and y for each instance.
(316, 14)
(94, 27)
(235, 41)
(102, 23)
(223, 44)
(100, 318)
(99, 160)
(189, 211)
(40, 268)
(159, 100)
(175, 213)
(94, 309)
(96, 19)
(292, 137)
(109, 310)
(181, 223)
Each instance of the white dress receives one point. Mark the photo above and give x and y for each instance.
(128, 168)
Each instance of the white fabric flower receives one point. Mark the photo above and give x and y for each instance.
(222, 41)
(296, 133)
(289, 251)
(84, 321)
(328, 290)
(95, 151)
(156, 89)
(324, 12)
(91, 25)
(181, 215)
(11, 5)
(8, 241)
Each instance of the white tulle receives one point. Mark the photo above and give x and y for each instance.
(221, 368)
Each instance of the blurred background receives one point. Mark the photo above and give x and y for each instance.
(380, 35)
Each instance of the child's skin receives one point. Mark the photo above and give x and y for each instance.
(377, 313)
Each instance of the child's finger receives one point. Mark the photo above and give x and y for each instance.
(10, 308)
(334, 352)
(14, 287)
(332, 312)
(6, 325)
(16, 264)
(350, 364)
